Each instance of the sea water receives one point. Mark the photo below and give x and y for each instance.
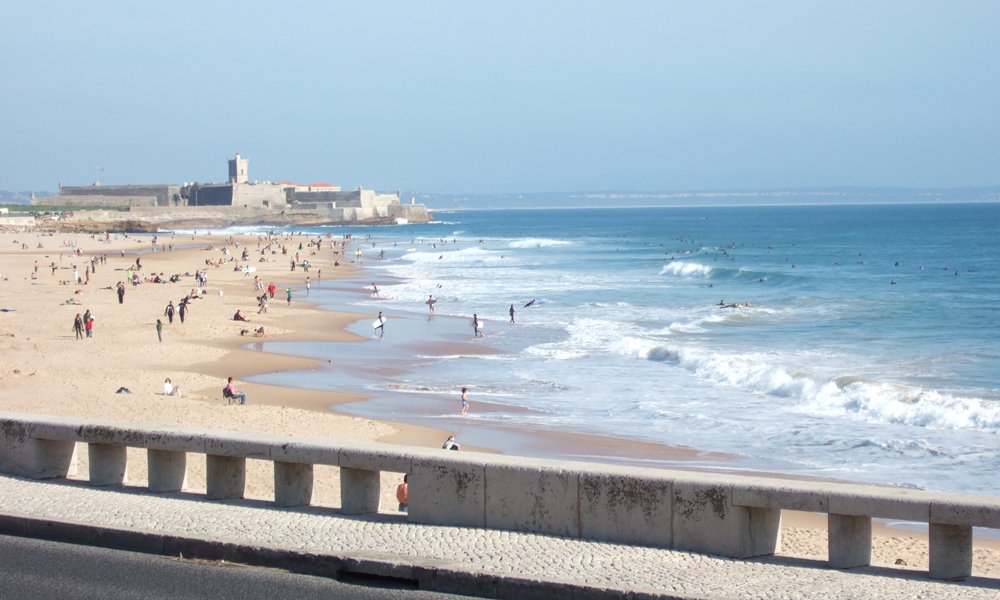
(864, 343)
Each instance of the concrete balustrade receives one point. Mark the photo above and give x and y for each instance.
(729, 515)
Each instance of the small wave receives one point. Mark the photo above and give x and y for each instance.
(847, 395)
(538, 243)
(686, 269)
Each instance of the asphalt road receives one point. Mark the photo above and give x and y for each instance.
(42, 570)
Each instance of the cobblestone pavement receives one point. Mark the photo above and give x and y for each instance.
(389, 537)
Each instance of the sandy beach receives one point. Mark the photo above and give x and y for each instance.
(47, 370)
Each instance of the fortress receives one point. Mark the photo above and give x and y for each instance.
(237, 201)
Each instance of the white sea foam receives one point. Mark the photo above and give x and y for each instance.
(871, 401)
(538, 243)
(686, 269)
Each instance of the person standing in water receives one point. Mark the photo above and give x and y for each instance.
(511, 311)
(465, 401)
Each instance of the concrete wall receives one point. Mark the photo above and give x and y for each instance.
(8, 220)
(258, 195)
(728, 515)
(211, 195)
(164, 193)
(98, 200)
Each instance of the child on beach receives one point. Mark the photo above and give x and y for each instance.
(465, 401)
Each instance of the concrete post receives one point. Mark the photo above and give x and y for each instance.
(950, 551)
(107, 464)
(225, 477)
(849, 543)
(166, 470)
(293, 484)
(359, 491)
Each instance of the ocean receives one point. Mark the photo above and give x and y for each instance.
(856, 342)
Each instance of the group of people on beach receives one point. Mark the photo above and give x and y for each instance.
(83, 325)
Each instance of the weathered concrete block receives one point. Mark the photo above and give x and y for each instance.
(107, 464)
(960, 509)
(626, 509)
(849, 543)
(360, 491)
(886, 503)
(789, 495)
(448, 492)
(950, 551)
(178, 440)
(21, 454)
(225, 477)
(530, 498)
(705, 520)
(293, 484)
(166, 470)
(231, 445)
(308, 452)
(375, 457)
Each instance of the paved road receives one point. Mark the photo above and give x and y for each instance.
(43, 570)
(463, 555)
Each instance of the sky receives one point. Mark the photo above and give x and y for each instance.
(499, 97)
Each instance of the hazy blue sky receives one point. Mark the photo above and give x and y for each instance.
(502, 96)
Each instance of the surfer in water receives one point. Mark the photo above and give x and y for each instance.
(381, 324)
(530, 303)
(511, 311)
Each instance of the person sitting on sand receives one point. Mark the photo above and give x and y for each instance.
(233, 394)
(451, 444)
(169, 389)
(239, 317)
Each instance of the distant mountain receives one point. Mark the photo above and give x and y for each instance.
(8, 197)
(604, 199)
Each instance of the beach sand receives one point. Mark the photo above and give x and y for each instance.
(46, 370)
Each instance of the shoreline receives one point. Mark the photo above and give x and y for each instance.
(50, 372)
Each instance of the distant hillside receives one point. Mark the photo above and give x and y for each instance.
(702, 198)
(8, 197)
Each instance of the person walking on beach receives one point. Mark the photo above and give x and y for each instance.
(477, 326)
(511, 311)
(88, 326)
(78, 326)
(431, 302)
(169, 312)
(288, 296)
(234, 394)
(182, 310)
(271, 288)
(380, 328)
(308, 283)
(159, 330)
(121, 293)
(465, 401)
